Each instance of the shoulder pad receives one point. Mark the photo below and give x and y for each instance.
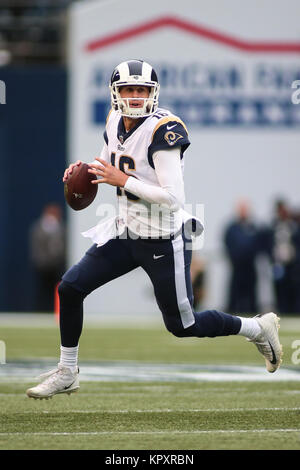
(169, 132)
(108, 116)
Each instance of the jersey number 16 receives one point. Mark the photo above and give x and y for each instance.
(124, 160)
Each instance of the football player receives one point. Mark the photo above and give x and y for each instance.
(143, 155)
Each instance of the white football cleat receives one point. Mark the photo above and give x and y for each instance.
(267, 341)
(60, 380)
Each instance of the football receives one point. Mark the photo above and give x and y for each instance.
(78, 189)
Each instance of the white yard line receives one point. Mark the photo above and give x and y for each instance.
(196, 410)
(169, 432)
(162, 410)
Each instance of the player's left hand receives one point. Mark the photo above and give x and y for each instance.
(109, 173)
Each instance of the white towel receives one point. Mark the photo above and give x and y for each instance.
(105, 231)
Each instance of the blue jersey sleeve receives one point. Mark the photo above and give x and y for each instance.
(168, 134)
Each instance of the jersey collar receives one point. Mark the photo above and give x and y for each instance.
(122, 134)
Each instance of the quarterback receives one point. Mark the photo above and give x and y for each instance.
(143, 155)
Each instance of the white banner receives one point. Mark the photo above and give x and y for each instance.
(226, 68)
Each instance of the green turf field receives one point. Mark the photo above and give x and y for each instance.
(180, 410)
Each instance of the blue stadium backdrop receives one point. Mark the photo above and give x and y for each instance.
(33, 158)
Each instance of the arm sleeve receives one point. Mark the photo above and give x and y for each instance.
(170, 193)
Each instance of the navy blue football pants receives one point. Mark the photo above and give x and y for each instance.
(167, 263)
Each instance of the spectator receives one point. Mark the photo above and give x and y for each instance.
(241, 243)
(283, 241)
(198, 280)
(47, 249)
(295, 271)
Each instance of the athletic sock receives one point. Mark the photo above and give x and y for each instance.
(250, 327)
(69, 357)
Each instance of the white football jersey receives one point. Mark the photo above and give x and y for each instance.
(132, 153)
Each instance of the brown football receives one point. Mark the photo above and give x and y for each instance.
(79, 191)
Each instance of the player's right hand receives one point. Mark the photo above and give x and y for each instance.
(69, 170)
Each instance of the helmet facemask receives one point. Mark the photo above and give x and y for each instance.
(122, 105)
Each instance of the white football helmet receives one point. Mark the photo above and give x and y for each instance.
(134, 72)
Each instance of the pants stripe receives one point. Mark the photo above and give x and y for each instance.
(184, 306)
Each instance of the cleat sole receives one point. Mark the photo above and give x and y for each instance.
(68, 392)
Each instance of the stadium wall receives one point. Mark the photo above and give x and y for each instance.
(32, 155)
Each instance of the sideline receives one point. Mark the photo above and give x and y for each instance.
(132, 371)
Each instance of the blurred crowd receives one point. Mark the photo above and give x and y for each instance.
(32, 31)
(245, 241)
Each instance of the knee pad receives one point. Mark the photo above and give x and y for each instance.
(67, 293)
(177, 330)
(179, 333)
